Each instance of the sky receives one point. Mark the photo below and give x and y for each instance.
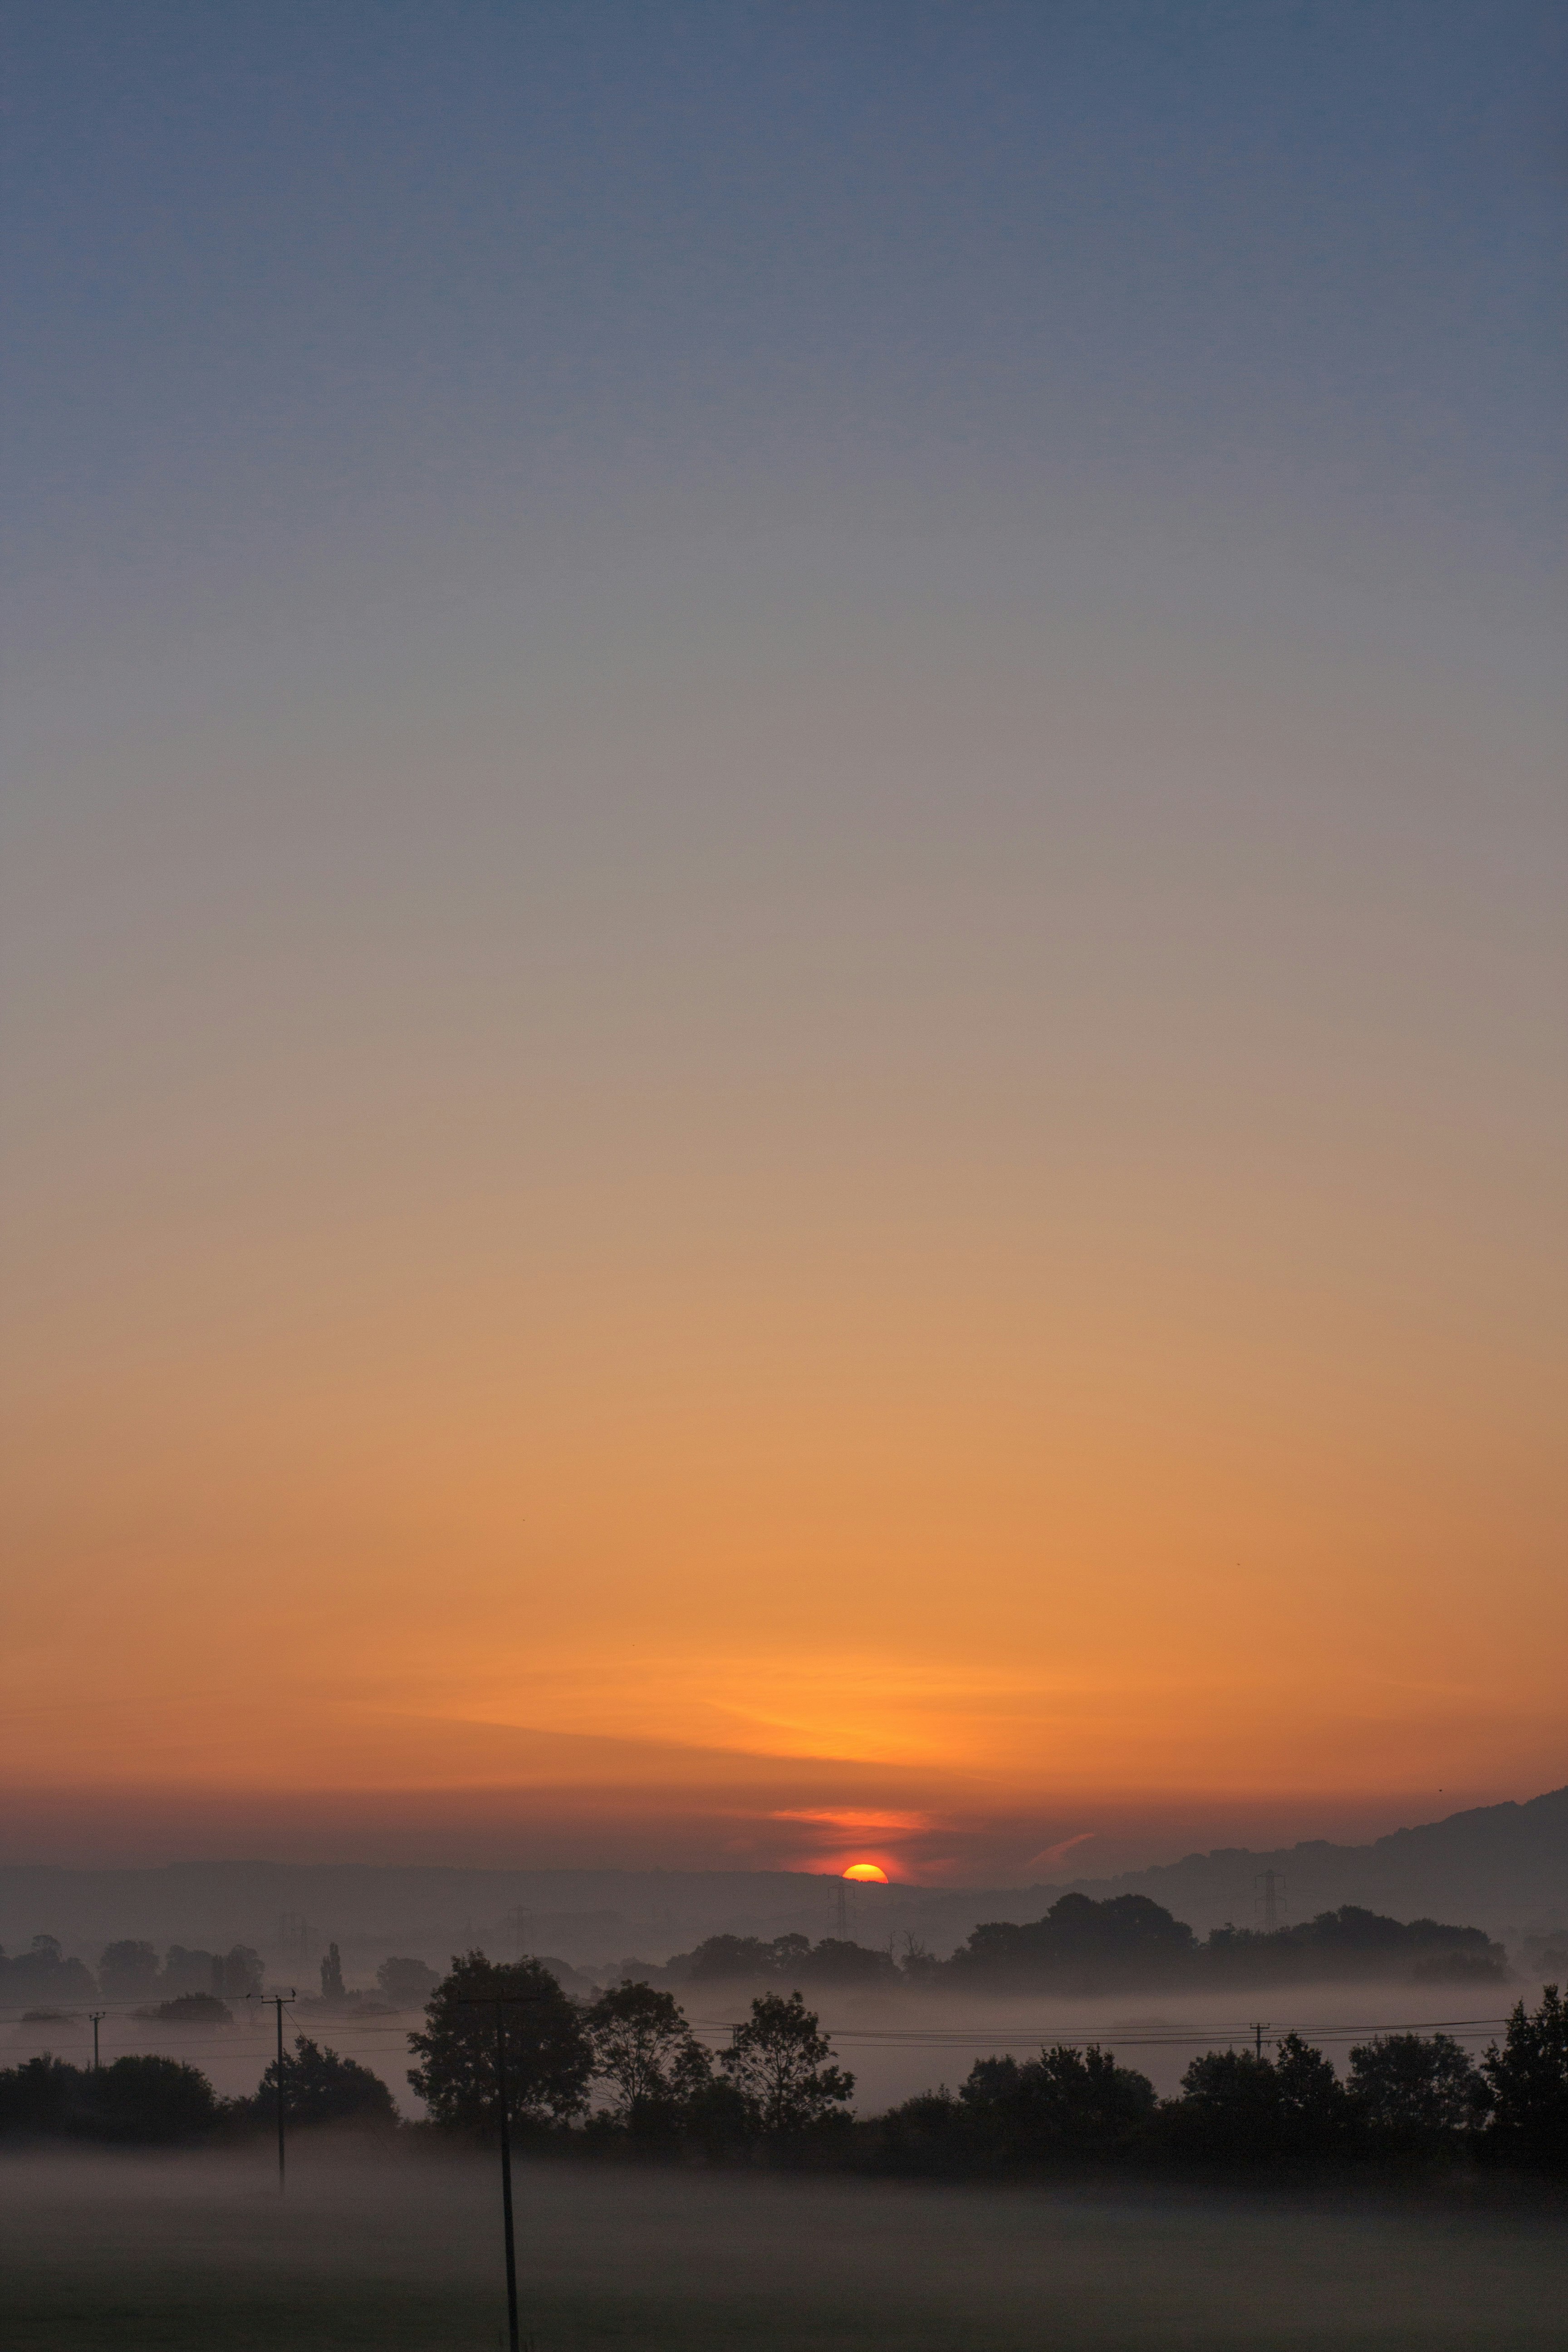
(782, 928)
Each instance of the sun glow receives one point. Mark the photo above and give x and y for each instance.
(866, 1874)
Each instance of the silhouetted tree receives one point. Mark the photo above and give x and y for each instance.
(186, 1970)
(785, 1960)
(779, 2062)
(1352, 1942)
(737, 1958)
(151, 2100)
(1241, 2108)
(644, 2048)
(43, 1974)
(1229, 2108)
(1529, 2079)
(128, 1971)
(191, 2008)
(320, 2087)
(1126, 1940)
(549, 2058)
(238, 1975)
(409, 1983)
(38, 2098)
(1066, 2101)
(1314, 2107)
(837, 1962)
(1413, 2087)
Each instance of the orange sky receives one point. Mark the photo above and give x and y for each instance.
(784, 967)
(701, 1478)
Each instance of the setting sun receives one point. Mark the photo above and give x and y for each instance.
(867, 1873)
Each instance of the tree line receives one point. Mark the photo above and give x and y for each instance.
(1125, 1942)
(626, 2075)
(185, 1983)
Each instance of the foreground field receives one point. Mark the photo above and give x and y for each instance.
(137, 2254)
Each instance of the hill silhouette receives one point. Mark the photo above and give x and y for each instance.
(1502, 1867)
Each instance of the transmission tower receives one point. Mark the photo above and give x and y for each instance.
(293, 1937)
(1271, 1899)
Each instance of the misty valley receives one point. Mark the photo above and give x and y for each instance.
(695, 2164)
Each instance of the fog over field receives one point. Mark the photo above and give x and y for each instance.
(895, 2044)
(405, 2252)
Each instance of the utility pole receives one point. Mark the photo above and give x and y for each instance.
(506, 2180)
(95, 2015)
(1258, 2031)
(278, 1999)
(500, 2002)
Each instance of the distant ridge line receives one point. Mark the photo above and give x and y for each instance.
(1503, 1867)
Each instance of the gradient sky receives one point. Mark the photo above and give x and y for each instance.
(784, 927)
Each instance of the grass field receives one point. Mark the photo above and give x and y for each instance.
(169, 2255)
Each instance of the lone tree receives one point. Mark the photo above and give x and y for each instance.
(778, 2061)
(644, 2049)
(549, 2058)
